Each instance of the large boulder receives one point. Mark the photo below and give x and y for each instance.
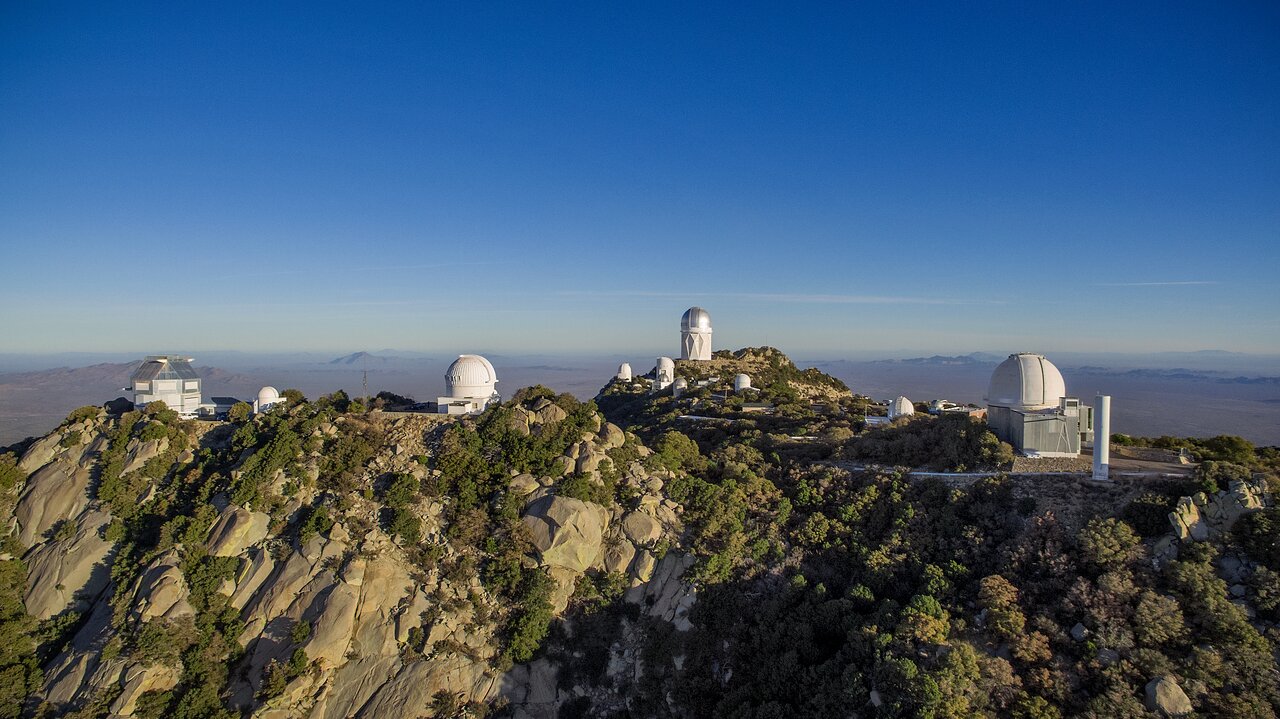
(1166, 698)
(162, 591)
(567, 532)
(642, 529)
(236, 530)
(1187, 521)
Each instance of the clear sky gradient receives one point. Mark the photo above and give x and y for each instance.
(538, 177)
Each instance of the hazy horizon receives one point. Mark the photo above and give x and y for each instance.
(519, 179)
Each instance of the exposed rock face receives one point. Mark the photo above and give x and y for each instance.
(567, 532)
(237, 530)
(162, 591)
(386, 631)
(56, 492)
(40, 453)
(138, 453)
(138, 680)
(1165, 697)
(69, 572)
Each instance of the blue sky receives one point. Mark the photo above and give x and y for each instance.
(547, 176)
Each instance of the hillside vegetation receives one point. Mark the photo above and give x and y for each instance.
(549, 558)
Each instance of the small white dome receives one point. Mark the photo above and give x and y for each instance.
(1026, 381)
(470, 376)
(624, 371)
(741, 382)
(695, 319)
(268, 395)
(901, 407)
(681, 382)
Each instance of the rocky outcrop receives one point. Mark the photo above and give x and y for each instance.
(666, 594)
(70, 571)
(386, 629)
(54, 493)
(236, 530)
(138, 680)
(1166, 698)
(162, 591)
(567, 532)
(138, 453)
(1197, 517)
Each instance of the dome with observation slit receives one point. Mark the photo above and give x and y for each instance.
(1026, 381)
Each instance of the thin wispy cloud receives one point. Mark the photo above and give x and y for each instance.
(817, 299)
(1172, 283)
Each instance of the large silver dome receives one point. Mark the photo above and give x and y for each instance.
(1026, 381)
(695, 319)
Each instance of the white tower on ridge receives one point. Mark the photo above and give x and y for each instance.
(695, 334)
(624, 372)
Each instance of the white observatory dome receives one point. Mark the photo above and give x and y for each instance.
(666, 368)
(901, 407)
(1026, 381)
(268, 395)
(470, 376)
(624, 371)
(680, 386)
(695, 319)
(741, 382)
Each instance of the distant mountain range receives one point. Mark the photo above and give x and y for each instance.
(114, 373)
(382, 357)
(973, 358)
(1178, 373)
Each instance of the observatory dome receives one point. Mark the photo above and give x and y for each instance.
(470, 376)
(901, 407)
(624, 371)
(267, 396)
(741, 382)
(1026, 381)
(695, 319)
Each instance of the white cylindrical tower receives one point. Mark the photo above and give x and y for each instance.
(695, 334)
(664, 374)
(1102, 437)
(624, 372)
(741, 382)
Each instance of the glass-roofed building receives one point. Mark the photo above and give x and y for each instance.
(169, 379)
